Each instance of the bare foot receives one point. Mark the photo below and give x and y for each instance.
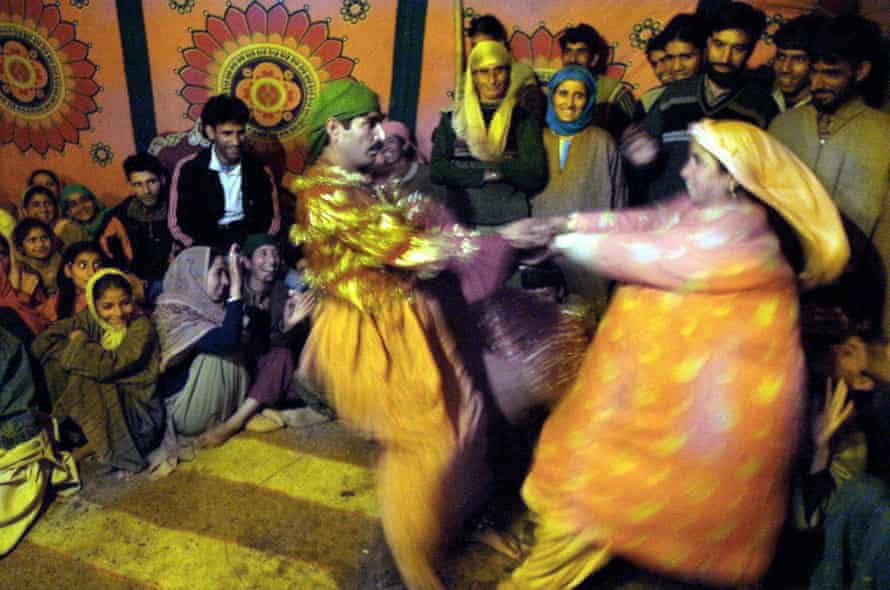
(216, 436)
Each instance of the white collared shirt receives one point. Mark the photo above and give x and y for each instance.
(230, 179)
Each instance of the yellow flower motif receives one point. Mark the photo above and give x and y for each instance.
(669, 301)
(645, 396)
(623, 463)
(701, 491)
(646, 511)
(689, 327)
(750, 468)
(722, 310)
(651, 354)
(768, 389)
(669, 445)
(766, 312)
(689, 369)
(657, 477)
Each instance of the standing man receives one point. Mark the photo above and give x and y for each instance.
(723, 91)
(488, 149)
(791, 64)
(615, 104)
(222, 194)
(843, 140)
(141, 241)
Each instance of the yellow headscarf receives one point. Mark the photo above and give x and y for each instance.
(773, 174)
(111, 336)
(486, 144)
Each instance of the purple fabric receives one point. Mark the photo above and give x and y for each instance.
(273, 375)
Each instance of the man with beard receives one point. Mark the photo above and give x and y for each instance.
(723, 91)
(791, 64)
(222, 194)
(842, 139)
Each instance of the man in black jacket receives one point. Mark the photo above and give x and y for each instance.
(141, 242)
(222, 194)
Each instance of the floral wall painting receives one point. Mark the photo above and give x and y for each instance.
(47, 90)
(275, 60)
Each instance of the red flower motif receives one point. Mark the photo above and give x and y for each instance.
(46, 80)
(274, 60)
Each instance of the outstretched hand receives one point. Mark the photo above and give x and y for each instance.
(638, 146)
(529, 233)
(297, 308)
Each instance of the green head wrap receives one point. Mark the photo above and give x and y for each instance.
(255, 241)
(340, 99)
(72, 189)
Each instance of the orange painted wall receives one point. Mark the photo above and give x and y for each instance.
(110, 126)
(340, 37)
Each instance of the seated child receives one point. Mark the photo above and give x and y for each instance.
(101, 368)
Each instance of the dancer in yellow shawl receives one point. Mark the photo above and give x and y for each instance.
(672, 448)
(379, 348)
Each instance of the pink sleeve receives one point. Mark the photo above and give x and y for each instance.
(631, 220)
(172, 222)
(276, 209)
(736, 252)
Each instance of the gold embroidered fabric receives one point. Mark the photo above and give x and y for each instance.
(357, 244)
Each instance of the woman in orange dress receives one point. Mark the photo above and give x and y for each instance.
(672, 448)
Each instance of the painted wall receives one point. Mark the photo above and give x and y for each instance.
(65, 102)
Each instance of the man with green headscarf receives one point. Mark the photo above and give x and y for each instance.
(379, 348)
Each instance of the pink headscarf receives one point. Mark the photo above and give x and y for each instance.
(400, 130)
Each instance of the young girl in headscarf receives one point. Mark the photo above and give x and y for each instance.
(199, 318)
(82, 206)
(672, 448)
(102, 369)
(36, 252)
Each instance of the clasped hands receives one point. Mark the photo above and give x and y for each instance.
(531, 233)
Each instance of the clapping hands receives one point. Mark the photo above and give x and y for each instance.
(297, 308)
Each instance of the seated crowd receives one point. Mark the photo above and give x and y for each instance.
(177, 317)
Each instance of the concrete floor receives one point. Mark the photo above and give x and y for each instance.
(293, 509)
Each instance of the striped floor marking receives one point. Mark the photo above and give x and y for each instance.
(334, 484)
(165, 558)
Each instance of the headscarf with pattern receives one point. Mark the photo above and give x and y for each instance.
(185, 312)
(772, 173)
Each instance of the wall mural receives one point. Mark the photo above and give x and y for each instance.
(274, 60)
(47, 90)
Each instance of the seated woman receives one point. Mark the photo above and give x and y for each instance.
(40, 203)
(29, 461)
(81, 206)
(102, 369)
(80, 262)
(36, 253)
(673, 447)
(199, 317)
(15, 314)
(585, 167)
